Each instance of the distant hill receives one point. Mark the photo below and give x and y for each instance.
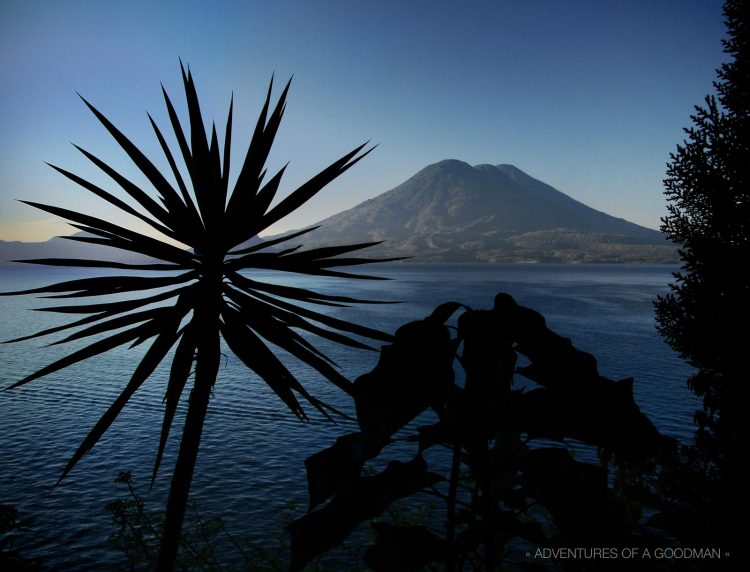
(58, 247)
(453, 212)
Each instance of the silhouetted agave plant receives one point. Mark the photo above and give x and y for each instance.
(212, 299)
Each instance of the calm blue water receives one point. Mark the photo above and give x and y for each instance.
(252, 454)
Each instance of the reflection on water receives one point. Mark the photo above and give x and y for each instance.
(253, 450)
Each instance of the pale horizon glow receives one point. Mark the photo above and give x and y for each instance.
(588, 96)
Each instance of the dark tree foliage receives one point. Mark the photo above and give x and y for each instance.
(705, 317)
(703, 493)
(493, 455)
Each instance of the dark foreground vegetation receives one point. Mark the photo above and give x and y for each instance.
(212, 300)
(513, 473)
(705, 317)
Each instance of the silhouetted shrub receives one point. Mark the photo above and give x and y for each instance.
(509, 476)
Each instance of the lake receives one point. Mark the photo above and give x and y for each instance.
(252, 454)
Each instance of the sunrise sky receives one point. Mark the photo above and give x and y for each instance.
(588, 96)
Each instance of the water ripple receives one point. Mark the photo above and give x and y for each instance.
(252, 455)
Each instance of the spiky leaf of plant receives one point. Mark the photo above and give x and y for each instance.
(212, 299)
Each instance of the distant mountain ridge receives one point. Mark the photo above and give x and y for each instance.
(58, 247)
(453, 212)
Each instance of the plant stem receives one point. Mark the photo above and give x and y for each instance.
(206, 370)
(452, 491)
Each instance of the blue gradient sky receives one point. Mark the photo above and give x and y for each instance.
(588, 96)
